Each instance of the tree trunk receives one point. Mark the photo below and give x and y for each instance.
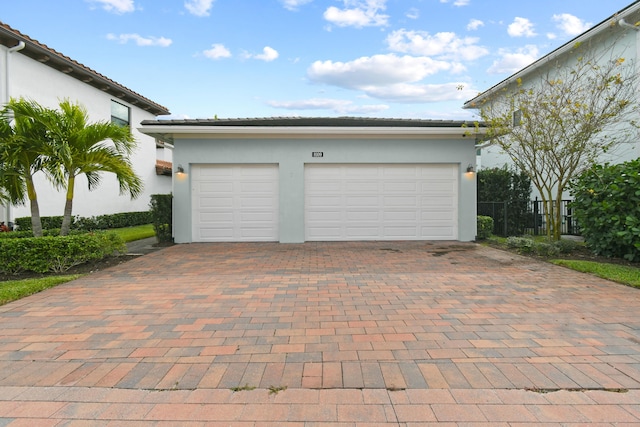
(557, 218)
(36, 222)
(66, 219)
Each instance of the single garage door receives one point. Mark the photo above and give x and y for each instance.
(235, 203)
(381, 202)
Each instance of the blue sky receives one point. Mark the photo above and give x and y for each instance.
(265, 58)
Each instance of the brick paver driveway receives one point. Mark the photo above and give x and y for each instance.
(380, 333)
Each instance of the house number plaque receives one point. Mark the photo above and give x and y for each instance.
(317, 154)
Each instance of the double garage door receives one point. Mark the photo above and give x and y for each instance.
(341, 202)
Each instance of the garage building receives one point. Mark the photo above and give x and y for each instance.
(298, 179)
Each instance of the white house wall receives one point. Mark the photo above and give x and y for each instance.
(33, 80)
(292, 154)
(626, 47)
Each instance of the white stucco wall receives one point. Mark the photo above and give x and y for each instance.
(627, 46)
(34, 80)
(291, 154)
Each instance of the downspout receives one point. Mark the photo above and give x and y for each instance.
(21, 45)
(625, 24)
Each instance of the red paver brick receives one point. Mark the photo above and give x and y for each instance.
(465, 333)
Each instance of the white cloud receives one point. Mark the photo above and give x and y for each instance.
(391, 78)
(358, 13)
(457, 2)
(217, 51)
(474, 24)
(294, 4)
(418, 93)
(116, 6)
(413, 13)
(140, 41)
(571, 25)
(521, 27)
(199, 7)
(377, 70)
(336, 105)
(268, 54)
(446, 45)
(511, 62)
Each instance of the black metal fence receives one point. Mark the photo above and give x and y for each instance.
(530, 219)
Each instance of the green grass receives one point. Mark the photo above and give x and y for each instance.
(16, 289)
(130, 234)
(617, 273)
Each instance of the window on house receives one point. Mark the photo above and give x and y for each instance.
(120, 114)
(517, 118)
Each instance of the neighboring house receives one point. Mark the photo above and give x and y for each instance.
(34, 71)
(620, 28)
(319, 179)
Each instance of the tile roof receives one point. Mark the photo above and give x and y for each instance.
(10, 37)
(313, 122)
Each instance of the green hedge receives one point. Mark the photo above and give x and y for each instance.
(57, 253)
(162, 213)
(505, 185)
(485, 227)
(606, 204)
(102, 222)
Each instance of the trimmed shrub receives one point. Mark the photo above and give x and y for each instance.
(48, 222)
(162, 216)
(485, 227)
(606, 203)
(57, 253)
(101, 222)
(522, 244)
(527, 245)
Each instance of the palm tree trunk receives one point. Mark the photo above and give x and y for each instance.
(36, 222)
(68, 205)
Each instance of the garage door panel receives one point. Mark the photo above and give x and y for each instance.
(437, 231)
(212, 217)
(359, 187)
(333, 187)
(400, 233)
(257, 216)
(399, 186)
(435, 215)
(359, 201)
(400, 215)
(438, 203)
(215, 202)
(324, 202)
(436, 187)
(399, 201)
(362, 216)
(361, 172)
(362, 232)
(381, 202)
(235, 203)
(325, 216)
(216, 233)
(256, 203)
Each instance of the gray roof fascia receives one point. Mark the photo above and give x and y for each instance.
(309, 127)
(592, 32)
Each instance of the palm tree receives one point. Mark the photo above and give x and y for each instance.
(90, 149)
(25, 146)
